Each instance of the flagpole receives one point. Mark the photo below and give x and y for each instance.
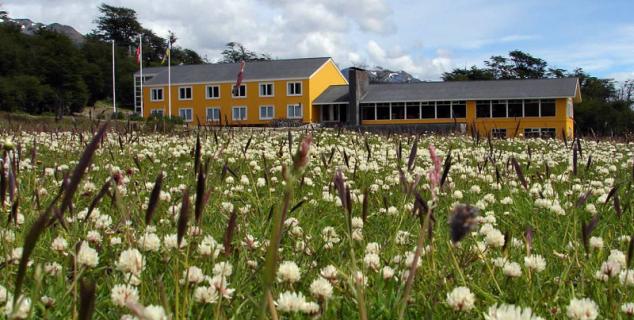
(141, 66)
(169, 76)
(114, 92)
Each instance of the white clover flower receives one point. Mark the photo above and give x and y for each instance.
(149, 242)
(461, 299)
(4, 295)
(193, 275)
(153, 312)
(52, 268)
(329, 272)
(122, 294)
(170, 242)
(582, 309)
(617, 256)
(224, 269)
(321, 289)
(372, 247)
(131, 261)
(495, 238)
(87, 256)
(535, 263)
(596, 243)
(290, 302)
(357, 223)
(512, 269)
(628, 309)
(22, 311)
(208, 295)
(510, 312)
(387, 272)
(115, 241)
(93, 236)
(372, 261)
(626, 277)
(288, 272)
(591, 208)
(59, 244)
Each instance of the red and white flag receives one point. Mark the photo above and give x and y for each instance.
(138, 55)
(239, 80)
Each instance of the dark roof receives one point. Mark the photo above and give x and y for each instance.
(255, 70)
(334, 94)
(459, 90)
(150, 70)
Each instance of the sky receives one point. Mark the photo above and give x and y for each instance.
(422, 37)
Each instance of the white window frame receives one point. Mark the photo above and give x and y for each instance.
(156, 112)
(207, 114)
(207, 92)
(294, 105)
(267, 117)
(246, 113)
(239, 97)
(261, 84)
(185, 88)
(184, 109)
(152, 94)
(288, 88)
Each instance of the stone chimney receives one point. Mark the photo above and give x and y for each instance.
(359, 81)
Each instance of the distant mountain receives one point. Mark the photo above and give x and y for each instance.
(381, 75)
(29, 27)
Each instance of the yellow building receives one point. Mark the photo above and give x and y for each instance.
(313, 90)
(270, 90)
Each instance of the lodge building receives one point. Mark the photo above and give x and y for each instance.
(313, 90)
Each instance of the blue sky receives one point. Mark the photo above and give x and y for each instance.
(424, 37)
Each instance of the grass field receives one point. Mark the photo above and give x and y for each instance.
(248, 224)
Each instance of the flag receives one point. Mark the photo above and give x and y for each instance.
(239, 80)
(166, 55)
(138, 55)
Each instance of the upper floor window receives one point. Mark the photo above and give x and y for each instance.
(239, 92)
(213, 92)
(483, 109)
(156, 94)
(547, 108)
(185, 93)
(266, 89)
(443, 109)
(458, 109)
(294, 89)
(569, 108)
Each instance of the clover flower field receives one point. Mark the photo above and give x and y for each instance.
(266, 224)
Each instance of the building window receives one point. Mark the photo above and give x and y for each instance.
(239, 113)
(428, 110)
(266, 89)
(459, 109)
(368, 111)
(239, 92)
(498, 133)
(382, 111)
(483, 109)
(539, 133)
(443, 109)
(185, 93)
(531, 108)
(294, 89)
(398, 110)
(213, 114)
(569, 108)
(294, 111)
(156, 94)
(498, 108)
(186, 114)
(516, 108)
(547, 108)
(158, 113)
(213, 92)
(412, 110)
(267, 112)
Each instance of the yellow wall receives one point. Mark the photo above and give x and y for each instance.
(311, 88)
(327, 76)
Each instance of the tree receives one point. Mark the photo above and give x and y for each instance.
(525, 66)
(236, 52)
(474, 73)
(117, 23)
